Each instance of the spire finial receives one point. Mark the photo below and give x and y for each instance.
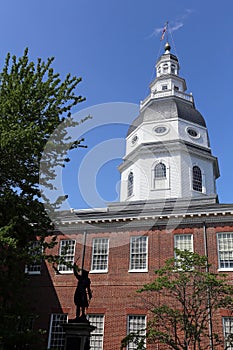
(167, 47)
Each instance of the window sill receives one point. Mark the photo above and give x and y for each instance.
(129, 197)
(33, 273)
(98, 271)
(161, 189)
(196, 191)
(230, 269)
(64, 272)
(138, 270)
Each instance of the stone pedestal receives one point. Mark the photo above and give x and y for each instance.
(77, 335)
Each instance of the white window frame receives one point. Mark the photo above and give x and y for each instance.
(97, 336)
(133, 252)
(229, 251)
(132, 329)
(227, 330)
(100, 256)
(183, 246)
(130, 184)
(56, 338)
(160, 183)
(34, 268)
(68, 256)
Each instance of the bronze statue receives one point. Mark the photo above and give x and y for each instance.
(82, 291)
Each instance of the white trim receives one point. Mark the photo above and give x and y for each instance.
(145, 269)
(51, 326)
(224, 318)
(92, 257)
(96, 333)
(70, 270)
(165, 180)
(218, 252)
(136, 330)
(184, 235)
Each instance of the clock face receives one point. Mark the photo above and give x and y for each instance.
(161, 130)
(193, 133)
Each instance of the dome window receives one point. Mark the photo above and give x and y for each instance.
(173, 69)
(193, 133)
(134, 140)
(165, 68)
(197, 179)
(160, 171)
(130, 184)
(161, 130)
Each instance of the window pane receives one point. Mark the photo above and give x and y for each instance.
(100, 254)
(35, 251)
(183, 242)
(130, 184)
(96, 342)
(160, 171)
(225, 250)
(137, 325)
(197, 179)
(67, 250)
(228, 332)
(56, 333)
(138, 253)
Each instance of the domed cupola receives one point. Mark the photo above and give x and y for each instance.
(168, 154)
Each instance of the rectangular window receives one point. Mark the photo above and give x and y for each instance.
(228, 332)
(183, 242)
(100, 255)
(67, 250)
(96, 342)
(225, 250)
(138, 253)
(164, 87)
(56, 338)
(137, 325)
(35, 251)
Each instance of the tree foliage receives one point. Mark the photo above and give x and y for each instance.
(34, 100)
(184, 302)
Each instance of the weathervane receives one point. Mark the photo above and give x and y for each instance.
(164, 31)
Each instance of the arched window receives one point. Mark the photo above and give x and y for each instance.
(197, 179)
(165, 68)
(130, 184)
(173, 69)
(160, 171)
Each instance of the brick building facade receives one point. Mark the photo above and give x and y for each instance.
(168, 200)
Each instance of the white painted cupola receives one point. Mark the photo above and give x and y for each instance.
(168, 155)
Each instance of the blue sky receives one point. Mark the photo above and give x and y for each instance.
(113, 46)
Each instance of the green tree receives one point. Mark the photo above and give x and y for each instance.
(184, 302)
(34, 100)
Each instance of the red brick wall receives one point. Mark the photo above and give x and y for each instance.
(114, 293)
